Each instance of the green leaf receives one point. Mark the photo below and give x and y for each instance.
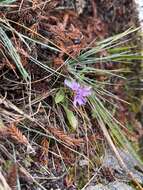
(71, 118)
(60, 95)
(11, 50)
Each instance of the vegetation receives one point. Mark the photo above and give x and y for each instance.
(68, 105)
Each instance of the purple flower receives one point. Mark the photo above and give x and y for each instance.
(80, 92)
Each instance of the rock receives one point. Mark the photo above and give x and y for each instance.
(111, 186)
(111, 162)
(119, 186)
(97, 187)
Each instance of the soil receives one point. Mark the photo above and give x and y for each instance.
(70, 26)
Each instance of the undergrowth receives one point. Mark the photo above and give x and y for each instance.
(44, 135)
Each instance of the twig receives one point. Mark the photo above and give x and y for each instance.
(20, 5)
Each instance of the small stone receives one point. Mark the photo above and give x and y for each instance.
(119, 186)
(97, 187)
(111, 186)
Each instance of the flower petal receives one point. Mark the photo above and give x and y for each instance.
(85, 91)
(67, 83)
(79, 100)
(80, 92)
(72, 84)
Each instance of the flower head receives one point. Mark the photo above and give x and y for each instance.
(80, 92)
